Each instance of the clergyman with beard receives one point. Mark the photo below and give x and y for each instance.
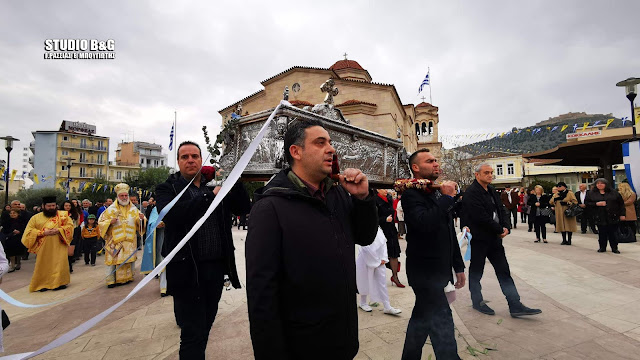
(120, 225)
(48, 235)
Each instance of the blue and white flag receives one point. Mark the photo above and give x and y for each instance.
(171, 138)
(424, 82)
(631, 160)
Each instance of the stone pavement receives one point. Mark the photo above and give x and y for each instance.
(590, 303)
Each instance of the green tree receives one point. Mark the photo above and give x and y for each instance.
(546, 185)
(148, 179)
(33, 197)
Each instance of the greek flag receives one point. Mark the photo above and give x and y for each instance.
(171, 138)
(631, 160)
(424, 82)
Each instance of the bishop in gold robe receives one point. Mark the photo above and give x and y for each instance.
(119, 224)
(48, 235)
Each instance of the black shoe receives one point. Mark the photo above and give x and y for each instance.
(86, 263)
(164, 294)
(61, 287)
(596, 232)
(484, 308)
(615, 251)
(93, 264)
(520, 310)
(530, 230)
(111, 286)
(583, 232)
(564, 243)
(602, 250)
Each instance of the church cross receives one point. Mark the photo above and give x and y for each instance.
(422, 99)
(345, 55)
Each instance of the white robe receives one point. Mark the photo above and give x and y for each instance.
(370, 275)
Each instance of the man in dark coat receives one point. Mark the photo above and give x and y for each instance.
(195, 276)
(585, 218)
(482, 213)
(510, 200)
(301, 276)
(432, 254)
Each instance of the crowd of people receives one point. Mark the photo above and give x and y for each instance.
(610, 213)
(304, 225)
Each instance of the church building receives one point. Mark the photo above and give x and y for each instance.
(366, 104)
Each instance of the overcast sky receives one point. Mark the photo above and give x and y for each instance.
(494, 64)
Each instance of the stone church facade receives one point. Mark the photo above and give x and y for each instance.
(366, 104)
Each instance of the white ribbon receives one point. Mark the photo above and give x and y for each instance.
(226, 187)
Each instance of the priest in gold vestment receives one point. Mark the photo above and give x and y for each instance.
(48, 234)
(119, 224)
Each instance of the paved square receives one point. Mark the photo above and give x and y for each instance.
(590, 303)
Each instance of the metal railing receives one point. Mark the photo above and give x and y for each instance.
(70, 144)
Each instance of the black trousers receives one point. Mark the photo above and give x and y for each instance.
(431, 316)
(531, 221)
(540, 224)
(587, 221)
(523, 216)
(494, 251)
(514, 214)
(195, 313)
(607, 232)
(90, 250)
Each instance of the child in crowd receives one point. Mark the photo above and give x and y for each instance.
(90, 236)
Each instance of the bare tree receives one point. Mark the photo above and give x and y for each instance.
(457, 166)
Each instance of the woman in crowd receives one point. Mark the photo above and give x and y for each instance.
(402, 229)
(74, 214)
(539, 211)
(531, 216)
(561, 202)
(552, 218)
(522, 205)
(629, 198)
(607, 209)
(384, 203)
(13, 228)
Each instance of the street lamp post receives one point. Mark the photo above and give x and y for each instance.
(630, 86)
(68, 160)
(8, 140)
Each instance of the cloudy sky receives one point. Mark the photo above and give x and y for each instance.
(494, 64)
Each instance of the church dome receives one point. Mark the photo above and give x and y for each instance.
(423, 104)
(346, 64)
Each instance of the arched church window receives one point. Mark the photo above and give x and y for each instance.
(430, 128)
(417, 129)
(424, 129)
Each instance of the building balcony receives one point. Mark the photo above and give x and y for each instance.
(91, 162)
(72, 145)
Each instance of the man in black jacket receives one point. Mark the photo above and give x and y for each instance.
(195, 276)
(300, 251)
(432, 254)
(585, 218)
(483, 214)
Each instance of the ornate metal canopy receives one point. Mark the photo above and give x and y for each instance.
(382, 159)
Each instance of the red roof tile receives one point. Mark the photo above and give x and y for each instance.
(356, 102)
(300, 102)
(346, 64)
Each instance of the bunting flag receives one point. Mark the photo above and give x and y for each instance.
(609, 123)
(35, 178)
(624, 120)
(94, 187)
(564, 127)
(81, 186)
(554, 128)
(585, 126)
(111, 188)
(99, 187)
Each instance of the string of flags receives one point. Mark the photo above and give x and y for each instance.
(84, 185)
(469, 138)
